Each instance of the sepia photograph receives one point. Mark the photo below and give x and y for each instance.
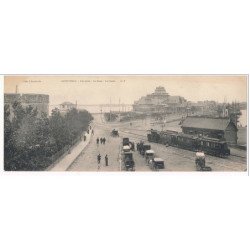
(125, 123)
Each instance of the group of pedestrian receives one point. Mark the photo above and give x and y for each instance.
(101, 140)
(91, 129)
(99, 160)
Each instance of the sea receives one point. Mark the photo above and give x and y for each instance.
(95, 109)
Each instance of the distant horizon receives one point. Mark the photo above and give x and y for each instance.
(96, 90)
(93, 104)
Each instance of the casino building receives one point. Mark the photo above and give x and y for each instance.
(160, 102)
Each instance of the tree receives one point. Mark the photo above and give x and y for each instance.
(32, 140)
(59, 129)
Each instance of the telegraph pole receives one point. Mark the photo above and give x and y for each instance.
(110, 110)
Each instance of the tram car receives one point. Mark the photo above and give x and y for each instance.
(154, 136)
(208, 145)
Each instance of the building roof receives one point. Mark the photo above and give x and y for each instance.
(67, 103)
(176, 99)
(206, 123)
(160, 91)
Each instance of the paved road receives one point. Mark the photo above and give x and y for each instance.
(175, 159)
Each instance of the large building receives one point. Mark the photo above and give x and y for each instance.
(67, 106)
(220, 128)
(160, 101)
(38, 101)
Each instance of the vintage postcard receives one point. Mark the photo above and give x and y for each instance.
(125, 123)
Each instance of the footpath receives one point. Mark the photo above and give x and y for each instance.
(64, 163)
(238, 152)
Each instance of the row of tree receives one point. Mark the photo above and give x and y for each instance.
(32, 141)
(110, 117)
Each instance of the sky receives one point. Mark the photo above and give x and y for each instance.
(100, 89)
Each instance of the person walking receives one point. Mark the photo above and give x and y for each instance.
(97, 140)
(104, 140)
(84, 137)
(99, 159)
(106, 160)
(92, 131)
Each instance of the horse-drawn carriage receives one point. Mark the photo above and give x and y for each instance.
(127, 142)
(115, 133)
(128, 161)
(200, 162)
(156, 164)
(144, 148)
(149, 155)
(126, 149)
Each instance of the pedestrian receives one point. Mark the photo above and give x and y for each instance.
(106, 160)
(104, 140)
(84, 137)
(99, 159)
(88, 131)
(92, 131)
(90, 127)
(101, 140)
(97, 140)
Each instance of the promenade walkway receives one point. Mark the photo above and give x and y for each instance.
(64, 163)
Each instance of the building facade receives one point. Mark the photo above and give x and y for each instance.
(38, 101)
(66, 106)
(160, 102)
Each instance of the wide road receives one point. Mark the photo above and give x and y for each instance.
(175, 159)
(87, 161)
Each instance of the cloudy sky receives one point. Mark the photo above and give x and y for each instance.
(128, 88)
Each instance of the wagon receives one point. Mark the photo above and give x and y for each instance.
(149, 155)
(126, 148)
(200, 162)
(156, 164)
(128, 161)
(115, 133)
(144, 148)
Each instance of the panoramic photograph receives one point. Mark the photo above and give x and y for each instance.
(125, 123)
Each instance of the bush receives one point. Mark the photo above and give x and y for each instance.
(110, 117)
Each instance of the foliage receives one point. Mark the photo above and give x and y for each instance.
(110, 116)
(31, 140)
